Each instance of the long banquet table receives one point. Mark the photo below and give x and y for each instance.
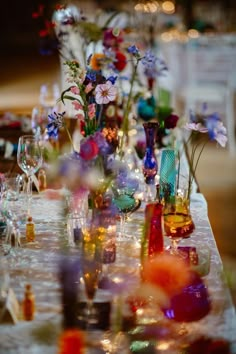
(37, 264)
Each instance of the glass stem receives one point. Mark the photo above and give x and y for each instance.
(89, 313)
(148, 197)
(29, 195)
(122, 225)
(174, 246)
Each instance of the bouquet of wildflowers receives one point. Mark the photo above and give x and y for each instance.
(89, 91)
(202, 128)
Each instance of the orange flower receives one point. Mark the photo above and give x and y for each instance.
(168, 272)
(71, 342)
(96, 61)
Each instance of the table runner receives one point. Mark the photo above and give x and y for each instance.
(38, 264)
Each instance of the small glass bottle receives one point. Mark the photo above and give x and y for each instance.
(42, 179)
(30, 230)
(28, 306)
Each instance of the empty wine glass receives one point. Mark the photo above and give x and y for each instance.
(29, 159)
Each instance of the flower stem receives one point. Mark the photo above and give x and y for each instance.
(69, 136)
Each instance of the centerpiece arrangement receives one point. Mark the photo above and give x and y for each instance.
(114, 93)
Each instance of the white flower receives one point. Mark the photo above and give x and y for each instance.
(105, 93)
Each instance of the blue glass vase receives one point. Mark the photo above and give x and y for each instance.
(150, 165)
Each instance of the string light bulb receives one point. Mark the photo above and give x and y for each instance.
(168, 7)
(147, 6)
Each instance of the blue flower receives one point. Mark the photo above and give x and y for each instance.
(91, 76)
(56, 121)
(149, 59)
(133, 50)
(212, 123)
(112, 79)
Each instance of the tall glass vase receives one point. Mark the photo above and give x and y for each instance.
(150, 165)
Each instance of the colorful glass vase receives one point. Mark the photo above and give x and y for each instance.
(167, 173)
(150, 165)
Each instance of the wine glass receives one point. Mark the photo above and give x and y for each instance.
(124, 188)
(29, 159)
(178, 223)
(91, 269)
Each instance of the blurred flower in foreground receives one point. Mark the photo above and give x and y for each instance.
(72, 342)
(167, 272)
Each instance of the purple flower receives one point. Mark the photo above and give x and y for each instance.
(154, 66)
(56, 121)
(101, 142)
(149, 59)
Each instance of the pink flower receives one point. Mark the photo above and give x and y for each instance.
(197, 127)
(75, 90)
(105, 93)
(88, 88)
(91, 110)
(78, 106)
(79, 116)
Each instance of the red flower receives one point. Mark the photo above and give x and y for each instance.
(71, 342)
(89, 149)
(82, 127)
(112, 39)
(171, 121)
(120, 61)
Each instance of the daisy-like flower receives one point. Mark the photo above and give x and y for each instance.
(198, 127)
(105, 93)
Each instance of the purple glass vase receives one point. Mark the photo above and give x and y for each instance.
(150, 166)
